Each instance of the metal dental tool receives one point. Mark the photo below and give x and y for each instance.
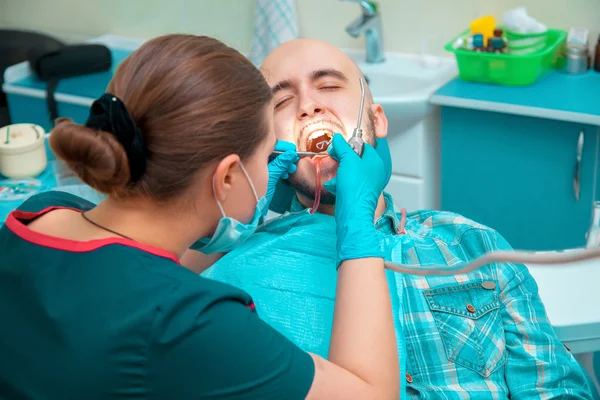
(356, 140)
(300, 153)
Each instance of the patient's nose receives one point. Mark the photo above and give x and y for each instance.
(310, 109)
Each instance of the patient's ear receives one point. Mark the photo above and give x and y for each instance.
(381, 122)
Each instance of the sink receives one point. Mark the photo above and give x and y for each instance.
(403, 83)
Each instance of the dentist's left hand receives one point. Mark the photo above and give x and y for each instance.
(282, 166)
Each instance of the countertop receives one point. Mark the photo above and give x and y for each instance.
(45, 181)
(572, 300)
(558, 96)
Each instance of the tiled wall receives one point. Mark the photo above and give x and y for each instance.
(409, 26)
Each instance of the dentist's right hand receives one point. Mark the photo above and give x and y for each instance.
(358, 185)
(363, 340)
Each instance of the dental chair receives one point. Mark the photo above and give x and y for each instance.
(14, 48)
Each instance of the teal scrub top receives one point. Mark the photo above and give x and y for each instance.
(113, 318)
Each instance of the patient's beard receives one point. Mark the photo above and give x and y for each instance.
(305, 185)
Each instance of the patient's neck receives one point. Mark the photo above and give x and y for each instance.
(329, 209)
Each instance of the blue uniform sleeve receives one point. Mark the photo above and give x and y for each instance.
(214, 346)
(538, 364)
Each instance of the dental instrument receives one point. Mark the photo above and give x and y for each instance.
(356, 140)
(299, 153)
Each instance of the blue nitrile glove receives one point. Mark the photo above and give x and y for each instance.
(281, 167)
(283, 197)
(284, 193)
(383, 151)
(358, 186)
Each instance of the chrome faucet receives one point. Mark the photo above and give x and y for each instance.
(369, 23)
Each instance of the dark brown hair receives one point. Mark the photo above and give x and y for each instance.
(195, 101)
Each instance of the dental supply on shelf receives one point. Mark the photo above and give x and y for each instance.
(478, 42)
(509, 59)
(517, 20)
(22, 151)
(578, 36)
(575, 58)
(524, 34)
(19, 189)
(520, 34)
(483, 26)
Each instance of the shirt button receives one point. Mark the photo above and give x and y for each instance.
(409, 378)
(489, 285)
(470, 308)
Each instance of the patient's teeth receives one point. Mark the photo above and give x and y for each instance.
(318, 133)
(318, 141)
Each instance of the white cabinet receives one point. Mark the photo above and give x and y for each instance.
(407, 192)
(415, 164)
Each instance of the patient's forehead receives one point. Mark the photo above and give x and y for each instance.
(299, 58)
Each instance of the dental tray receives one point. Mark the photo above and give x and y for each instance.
(505, 68)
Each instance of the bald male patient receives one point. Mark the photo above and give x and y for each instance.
(482, 335)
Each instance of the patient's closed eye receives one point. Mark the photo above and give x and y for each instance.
(329, 86)
(282, 102)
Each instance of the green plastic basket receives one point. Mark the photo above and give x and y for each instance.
(508, 69)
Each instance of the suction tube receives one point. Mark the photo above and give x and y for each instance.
(317, 163)
(519, 257)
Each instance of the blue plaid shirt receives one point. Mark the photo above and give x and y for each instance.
(482, 335)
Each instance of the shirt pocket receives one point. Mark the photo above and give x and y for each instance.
(468, 319)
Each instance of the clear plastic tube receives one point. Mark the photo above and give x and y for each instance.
(519, 257)
(317, 163)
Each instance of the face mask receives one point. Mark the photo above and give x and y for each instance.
(230, 232)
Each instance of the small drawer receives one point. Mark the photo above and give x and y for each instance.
(407, 151)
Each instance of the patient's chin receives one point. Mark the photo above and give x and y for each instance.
(328, 170)
(306, 187)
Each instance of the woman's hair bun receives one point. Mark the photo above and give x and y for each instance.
(95, 156)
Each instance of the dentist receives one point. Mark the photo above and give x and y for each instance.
(94, 302)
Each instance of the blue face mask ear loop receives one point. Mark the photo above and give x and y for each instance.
(217, 200)
(261, 219)
(249, 181)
